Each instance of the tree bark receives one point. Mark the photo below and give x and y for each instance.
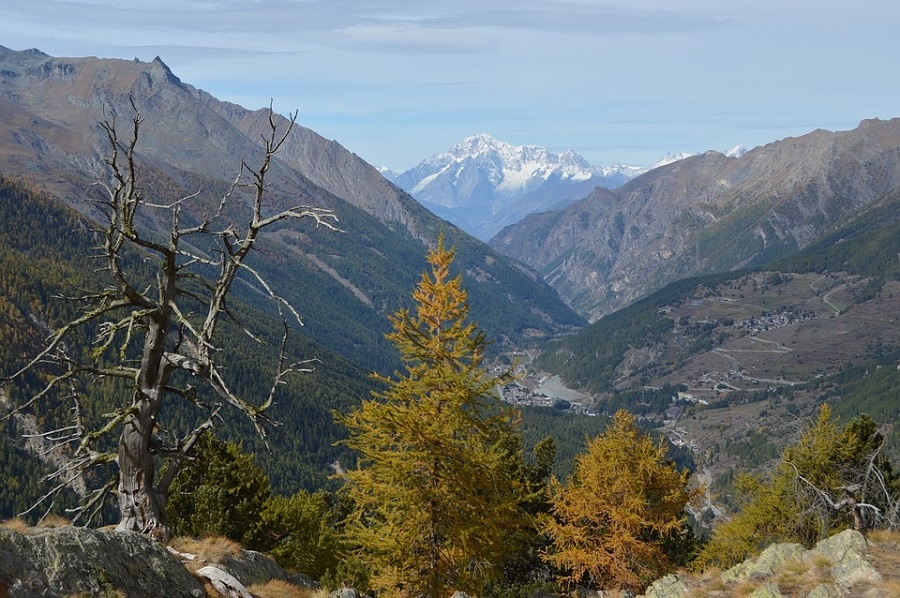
(142, 506)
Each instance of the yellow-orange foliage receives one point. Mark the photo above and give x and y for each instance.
(624, 499)
(437, 496)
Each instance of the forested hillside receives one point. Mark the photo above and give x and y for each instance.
(52, 260)
(726, 363)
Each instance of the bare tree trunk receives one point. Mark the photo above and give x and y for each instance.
(173, 341)
(142, 507)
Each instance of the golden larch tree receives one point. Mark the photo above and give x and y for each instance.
(609, 524)
(437, 493)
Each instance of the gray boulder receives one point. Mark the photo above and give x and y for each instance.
(766, 564)
(849, 567)
(56, 562)
(670, 586)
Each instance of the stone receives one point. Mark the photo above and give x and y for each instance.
(56, 562)
(768, 590)
(767, 563)
(824, 590)
(226, 584)
(669, 586)
(253, 568)
(838, 545)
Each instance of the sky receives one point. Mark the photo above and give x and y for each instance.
(619, 82)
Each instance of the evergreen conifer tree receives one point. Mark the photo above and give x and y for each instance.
(437, 494)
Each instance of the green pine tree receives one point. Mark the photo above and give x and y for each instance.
(437, 495)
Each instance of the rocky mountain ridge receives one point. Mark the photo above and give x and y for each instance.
(191, 140)
(706, 213)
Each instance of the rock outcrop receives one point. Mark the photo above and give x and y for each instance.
(70, 560)
(67, 561)
(836, 567)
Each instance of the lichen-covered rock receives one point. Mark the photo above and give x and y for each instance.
(854, 570)
(825, 590)
(63, 561)
(767, 563)
(838, 545)
(768, 590)
(669, 586)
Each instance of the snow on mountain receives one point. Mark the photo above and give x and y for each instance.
(388, 173)
(669, 158)
(482, 184)
(509, 169)
(737, 151)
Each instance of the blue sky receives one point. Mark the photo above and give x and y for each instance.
(618, 81)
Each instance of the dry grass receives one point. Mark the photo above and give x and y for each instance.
(211, 549)
(884, 554)
(53, 520)
(798, 577)
(281, 589)
(745, 588)
(17, 525)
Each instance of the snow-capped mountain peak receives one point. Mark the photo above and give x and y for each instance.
(669, 158)
(482, 184)
(737, 151)
(509, 169)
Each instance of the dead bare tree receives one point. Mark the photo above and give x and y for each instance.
(861, 488)
(865, 494)
(162, 324)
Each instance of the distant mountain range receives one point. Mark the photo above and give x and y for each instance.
(706, 213)
(482, 184)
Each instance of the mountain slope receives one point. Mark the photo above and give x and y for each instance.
(706, 213)
(726, 363)
(197, 142)
(482, 184)
(343, 284)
